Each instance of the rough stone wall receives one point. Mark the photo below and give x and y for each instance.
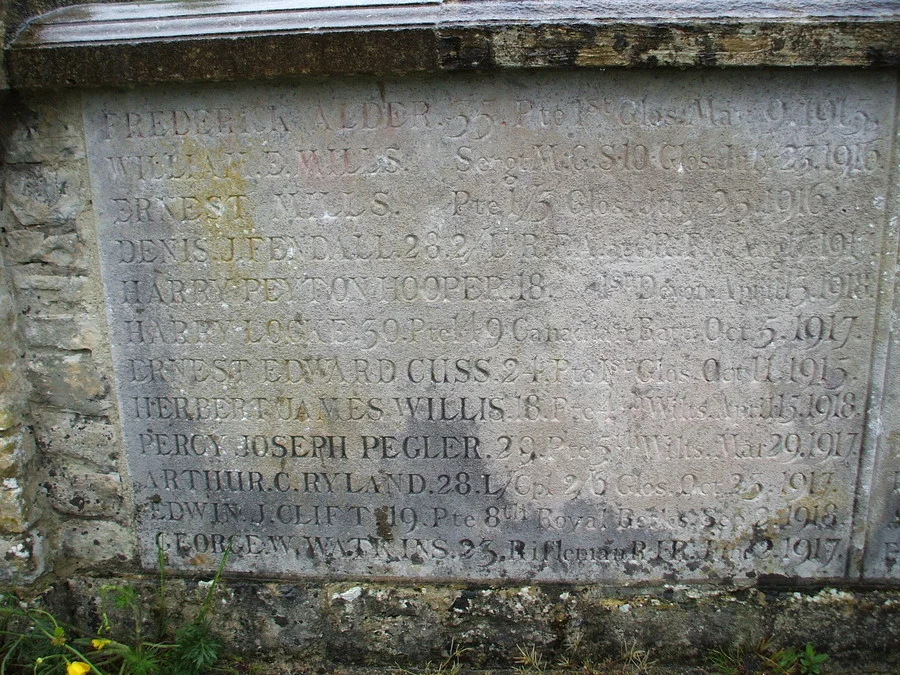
(68, 497)
(299, 627)
(20, 544)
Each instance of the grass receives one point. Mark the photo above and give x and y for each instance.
(32, 640)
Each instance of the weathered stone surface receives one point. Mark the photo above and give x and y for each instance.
(25, 246)
(690, 623)
(13, 385)
(96, 45)
(49, 290)
(45, 129)
(840, 618)
(75, 491)
(11, 393)
(92, 439)
(15, 516)
(274, 618)
(881, 482)
(676, 627)
(96, 541)
(16, 450)
(263, 619)
(69, 382)
(47, 300)
(384, 624)
(44, 194)
(23, 556)
(62, 331)
(572, 328)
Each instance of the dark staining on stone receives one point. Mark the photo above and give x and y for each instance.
(382, 525)
(287, 592)
(559, 46)
(707, 57)
(780, 582)
(879, 57)
(280, 620)
(465, 50)
(250, 57)
(464, 600)
(461, 604)
(556, 50)
(451, 47)
(649, 39)
(710, 42)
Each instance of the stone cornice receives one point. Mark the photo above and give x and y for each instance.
(157, 42)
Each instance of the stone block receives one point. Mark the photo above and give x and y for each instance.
(62, 250)
(386, 624)
(46, 129)
(838, 621)
(689, 627)
(39, 194)
(16, 449)
(15, 511)
(497, 621)
(271, 617)
(75, 491)
(61, 331)
(23, 557)
(95, 542)
(41, 292)
(66, 434)
(68, 382)
(13, 390)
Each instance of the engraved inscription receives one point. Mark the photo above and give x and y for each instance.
(578, 328)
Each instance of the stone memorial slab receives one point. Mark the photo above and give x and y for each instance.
(563, 326)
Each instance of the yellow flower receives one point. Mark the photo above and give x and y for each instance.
(99, 644)
(77, 668)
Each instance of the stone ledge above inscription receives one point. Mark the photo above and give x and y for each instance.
(108, 44)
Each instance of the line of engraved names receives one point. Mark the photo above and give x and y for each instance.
(783, 368)
(799, 515)
(526, 204)
(817, 407)
(574, 447)
(475, 118)
(844, 159)
(790, 287)
(475, 487)
(821, 551)
(802, 331)
(497, 244)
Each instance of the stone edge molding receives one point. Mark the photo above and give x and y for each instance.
(156, 42)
